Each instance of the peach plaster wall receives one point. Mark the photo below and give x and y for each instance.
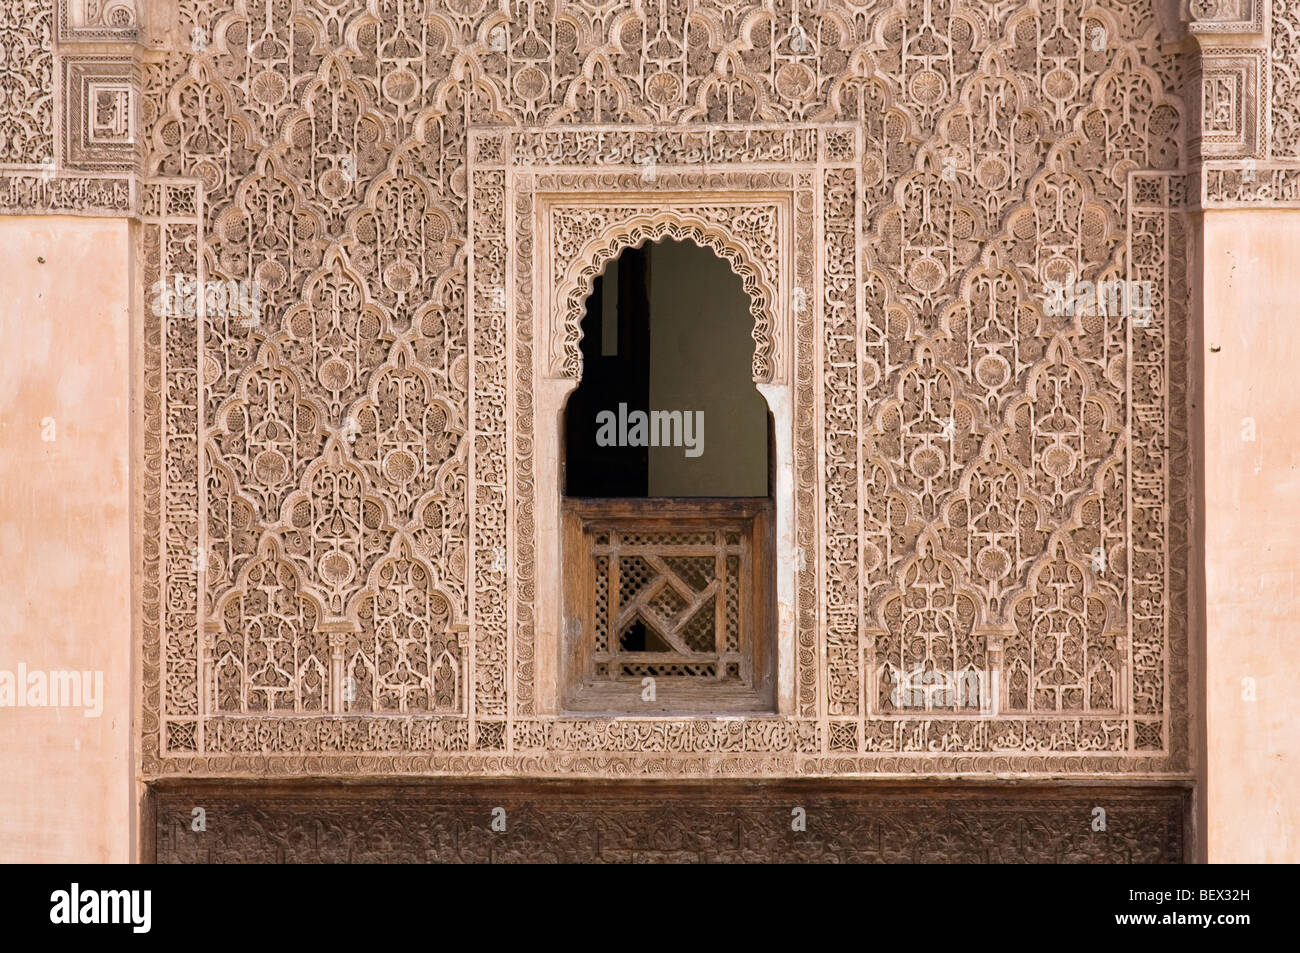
(66, 791)
(1251, 357)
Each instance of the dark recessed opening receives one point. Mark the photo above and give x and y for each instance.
(667, 405)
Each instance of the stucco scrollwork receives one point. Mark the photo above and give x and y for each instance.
(981, 483)
(585, 239)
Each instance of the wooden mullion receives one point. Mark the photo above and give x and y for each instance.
(667, 658)
(720, 603)
(745, 610)
(615, 583)
(640, 599)
(699, 598)
(675, 551)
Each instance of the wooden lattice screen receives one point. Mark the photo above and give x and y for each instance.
(668, 604)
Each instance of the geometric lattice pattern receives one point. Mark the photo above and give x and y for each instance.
(671, 599)
(655, 612)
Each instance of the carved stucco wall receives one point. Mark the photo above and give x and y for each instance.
(349, 479)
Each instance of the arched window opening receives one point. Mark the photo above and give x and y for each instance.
(667, 406)
(668, 477)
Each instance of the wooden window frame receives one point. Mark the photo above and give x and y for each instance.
(752, 520)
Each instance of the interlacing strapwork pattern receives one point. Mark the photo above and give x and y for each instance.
(674, 595)
(339, 495)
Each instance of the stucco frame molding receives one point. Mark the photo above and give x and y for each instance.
(578, 198)
(758, 255)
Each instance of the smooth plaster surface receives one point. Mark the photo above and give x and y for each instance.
(1252, 534)
(66, 792)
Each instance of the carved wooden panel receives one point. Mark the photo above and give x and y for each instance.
(631, 822)
(675, 591)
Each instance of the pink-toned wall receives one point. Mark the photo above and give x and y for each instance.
(1252, 534)
(66, 789)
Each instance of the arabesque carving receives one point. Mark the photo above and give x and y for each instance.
(338, 492)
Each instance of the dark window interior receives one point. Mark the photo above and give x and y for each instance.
(609, 379)
(616, 370)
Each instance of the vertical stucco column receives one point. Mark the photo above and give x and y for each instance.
(67, 792)
(1251, 401)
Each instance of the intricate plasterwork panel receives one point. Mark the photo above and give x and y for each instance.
(1249, 105)
(168, 475)
(26, 83)
(26, 193)
(1259, 186)
(1284, 62)
(1227, 16)
(99, 113)
(980, 485)
(93, 131)
(98, 20)
(586, 238)
(1232, 103)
